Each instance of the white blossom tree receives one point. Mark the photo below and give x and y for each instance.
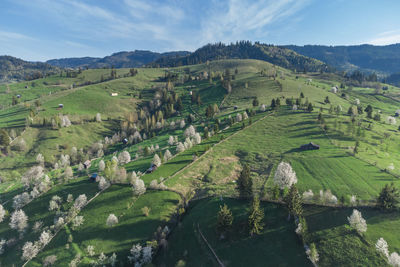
(171, 140)
(32, 176)
(284, 175)
(103, 183)
(40, 159)
(98, 117)
(382, 247)
(167, 155)
(197, 139)
(2, 213)
(238, 117)
(78, 221)
(138, 187)
(45, 238)
(3, 243)
(146, 255)
(50, 260)
(262, 108)
(136, 252)
(394, 259)
(308, 195)
(245, 116)
(357, 222)
(124, 157)
(190, 131)
(156, 160)
(102, 165)
(353, 200)
(391, 120)
(111, 220)
(90, 250)
(180, 147)
(182, 124)
(68, 173)
(21, 200)
(80, 201)
(29, 251)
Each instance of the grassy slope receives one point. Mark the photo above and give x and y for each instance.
(240, 249)
(132, 227)
(37, 210)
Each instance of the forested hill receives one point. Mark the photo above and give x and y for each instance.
(132, 59)
(15, 69)
(246, 50)
(384, 59)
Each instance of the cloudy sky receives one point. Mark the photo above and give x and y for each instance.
(45, 29)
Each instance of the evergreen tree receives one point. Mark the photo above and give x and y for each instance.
(293, 201)
(179, 105)
(256, 216)
(255, 102)
(245, 183)
(224, 220)
(310, 107)
(327, 101)
(389, 198)
(4, 138)
(301, 95)
(273, 104)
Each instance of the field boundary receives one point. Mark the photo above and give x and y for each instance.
(209, 246)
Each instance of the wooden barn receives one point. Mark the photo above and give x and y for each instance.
(309, 146)
(87, 164)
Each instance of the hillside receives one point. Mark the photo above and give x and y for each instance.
(246, 50)
(203, 126)
(124, 59)
(380, 59)
(15, 69)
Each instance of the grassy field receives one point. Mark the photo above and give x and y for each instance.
(239, 249)
(339, 245)
(38, 210)
(277, 138)
(133, 227)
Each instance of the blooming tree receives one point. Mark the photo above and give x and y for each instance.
(124, 157)
(284, 175)
(19, 220)
(29, 251)
(190, 131)
(171, 140)
(394, 259)
(382, 247)
(102, 165)
(78, 221)
(111, 220)
(308, 195)
(180, 147)
(80, 201)
(167, 155)
(138, 187)
(156, 160)
(45, 238)
(357, 222)
(2, 213)
(391, 120)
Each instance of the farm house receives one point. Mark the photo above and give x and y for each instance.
(309, 146)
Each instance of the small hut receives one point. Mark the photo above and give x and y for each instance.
(397, 113)
(309, 146)
(60, 105)
(152, 168)
(93, 177)
(114, 94)
(87, 164)
(125, 141)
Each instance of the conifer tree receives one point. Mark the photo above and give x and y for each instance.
(245, 184)
(224, 220)
(293, 201)
(256, 216)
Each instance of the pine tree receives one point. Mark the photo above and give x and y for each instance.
(389, 198)
(224, 220)
(293, 201)
(256, 216)
(310, 107)
(245, 183)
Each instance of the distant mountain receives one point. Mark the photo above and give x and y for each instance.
(381, 59)
(246, 50)
(72, 62)
(15, 69)
(124, 59)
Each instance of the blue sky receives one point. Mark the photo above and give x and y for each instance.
(45, 29)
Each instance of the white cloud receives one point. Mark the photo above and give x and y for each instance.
(8, 36)
(241, 19)
(386, 38)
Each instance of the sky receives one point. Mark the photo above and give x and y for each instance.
(38, 30)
